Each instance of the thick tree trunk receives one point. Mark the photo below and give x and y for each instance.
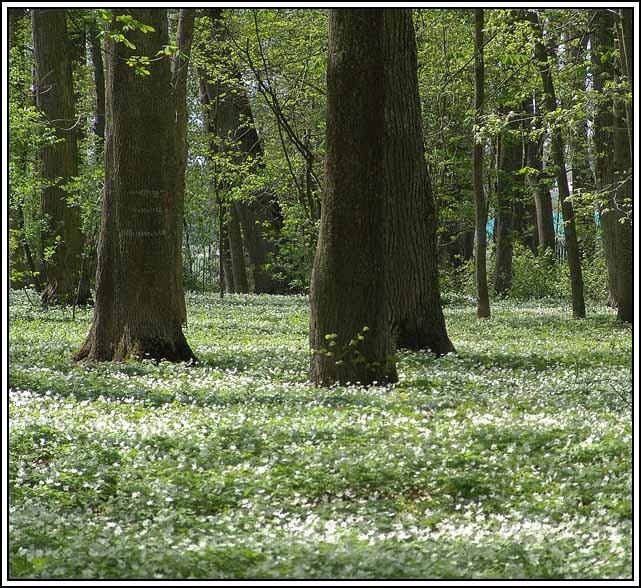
(350, 333)
(480, 202)
(61, 232)
(510, 157)
(574, 259)
(602, 49)
(179, 70)
(413, 298)
(95, 49)
(137, 311)
(623, 151)
(233, 123)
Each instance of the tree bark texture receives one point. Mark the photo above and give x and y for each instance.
(413, 297)
(233, 122)
(61, 230)
(543, 56)
(510, 157)
(623, 153)
(137, 311)
(179, 71)
(480, 202)
(602, 47)
(95, 50)
(350, 335)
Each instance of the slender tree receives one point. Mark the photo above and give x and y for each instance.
(510, 155)
(350, 334)
(413, 291)
(537, 183)
(480, 202)
(138, 307)
(544, 57)
(234, 124)
(61, 231)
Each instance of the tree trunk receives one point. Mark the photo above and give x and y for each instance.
(233, 123)
(543, 55)
(179, 71)
(95, 49)
(413, 298)
(480, 202)
(350, 333)
(510, 156)
(228, 274)
(237, 254)
(61, 232)
(137, 311)
(602, 48)
(623, 152)
(540, 190)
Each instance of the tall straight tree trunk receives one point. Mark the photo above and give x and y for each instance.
(95, 50)
(350, 335)
(543, 56)
(540, 190)
(234, 125)
(225, 255)
(480, 202)
(602, 49)
(179, 71)
(413, 297)
(239, 272)
(623, 152)
(510, 156)
(578, 141)
(137, 311)
(61, 233)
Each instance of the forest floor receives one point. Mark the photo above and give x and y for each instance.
(511, 459)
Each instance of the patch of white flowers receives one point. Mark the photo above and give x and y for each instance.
(509, 460)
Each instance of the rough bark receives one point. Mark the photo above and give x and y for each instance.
(543, 56)
(179, 70)
(602, 46)
(623, 153)
(95, 50)
(350, 333)
(61, 228)
(233, 122)
(137, 311)
(413, 298)
(480, 202)
(510, 155)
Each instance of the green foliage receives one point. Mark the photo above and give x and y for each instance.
(510, 460)
(534, 277)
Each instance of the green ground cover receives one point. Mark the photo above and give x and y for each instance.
(510, 460)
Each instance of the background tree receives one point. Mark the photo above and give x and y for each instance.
(138, 307)
(349, 324)
(61, 230)
(545, 60)
(480, 248)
